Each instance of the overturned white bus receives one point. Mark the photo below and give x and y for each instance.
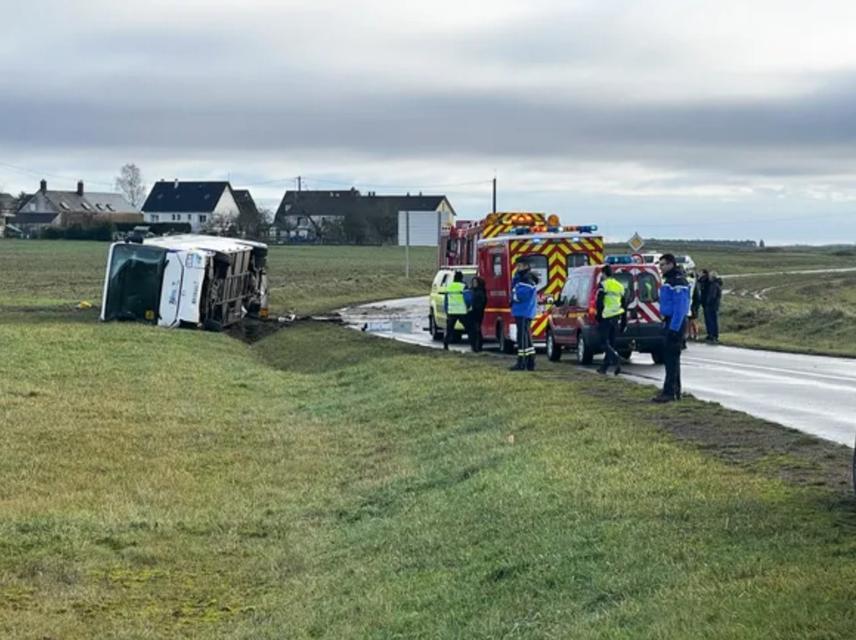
(186, 280)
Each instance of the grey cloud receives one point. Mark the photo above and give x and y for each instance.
(812, 134)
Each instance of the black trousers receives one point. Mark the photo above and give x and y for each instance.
(525, 348)
(451, 321)
(475, 330)
(711, 321)
(672, 360)
(607, 329)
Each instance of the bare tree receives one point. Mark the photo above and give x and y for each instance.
(130, 182)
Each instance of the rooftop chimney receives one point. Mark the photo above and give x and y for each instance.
(80, 187)
(43, 185)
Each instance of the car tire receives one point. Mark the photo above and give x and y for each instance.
(626, 354)
(435, 332)
(584, 353)
(657, 356)
(554, 351)
(506, 346)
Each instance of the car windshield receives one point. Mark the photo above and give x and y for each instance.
(133, 288)
(538, 264)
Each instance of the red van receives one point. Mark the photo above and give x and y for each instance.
(573, 317)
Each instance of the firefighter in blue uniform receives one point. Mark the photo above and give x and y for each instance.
(524, 298)
(674, 307)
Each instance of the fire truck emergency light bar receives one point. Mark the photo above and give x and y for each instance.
(590, 228)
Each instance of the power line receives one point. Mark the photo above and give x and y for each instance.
(46, 174)
(399, 186)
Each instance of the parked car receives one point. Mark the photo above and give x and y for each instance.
(573, 317)
(436, 312)
(682, 260)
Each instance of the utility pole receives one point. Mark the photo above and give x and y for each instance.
(494, 195)
(299, 183)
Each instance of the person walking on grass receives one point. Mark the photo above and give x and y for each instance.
(524, 298)
(477, 302)
(455, 307)
(674, 306)
(711, 307)
(610, 295)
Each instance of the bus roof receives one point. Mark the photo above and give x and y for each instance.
(190, 242)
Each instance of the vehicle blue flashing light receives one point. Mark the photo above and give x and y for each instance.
(619, 259)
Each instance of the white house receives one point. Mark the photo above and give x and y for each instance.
(199, 204)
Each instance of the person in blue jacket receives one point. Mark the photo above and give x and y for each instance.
(524, 298)
(674, 307)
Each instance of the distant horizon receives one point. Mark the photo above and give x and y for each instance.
(610, 236)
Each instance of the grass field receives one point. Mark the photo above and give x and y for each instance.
(325, 484)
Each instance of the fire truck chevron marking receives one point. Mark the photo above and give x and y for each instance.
(539, 325)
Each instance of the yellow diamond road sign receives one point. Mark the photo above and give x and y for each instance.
(636, 243)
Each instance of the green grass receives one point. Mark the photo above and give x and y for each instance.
(811, 313)
(325, 484)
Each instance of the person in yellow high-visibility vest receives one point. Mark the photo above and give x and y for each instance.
(455, 305)
(610, 296)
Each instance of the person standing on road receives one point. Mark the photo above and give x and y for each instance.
(610, 295)
(674, 305)
(477, 303)
(711, 307)
(702, 285)
(524, 297)
(455, 307)
(695, 307)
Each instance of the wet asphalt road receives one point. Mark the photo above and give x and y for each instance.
(814, 394)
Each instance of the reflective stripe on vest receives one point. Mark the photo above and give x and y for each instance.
(455, 304)
(613, 294)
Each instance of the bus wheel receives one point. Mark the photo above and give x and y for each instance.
(554, 351)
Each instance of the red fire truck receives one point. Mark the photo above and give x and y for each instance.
(502, 240)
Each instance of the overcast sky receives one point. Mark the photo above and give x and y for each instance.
(678, 118)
